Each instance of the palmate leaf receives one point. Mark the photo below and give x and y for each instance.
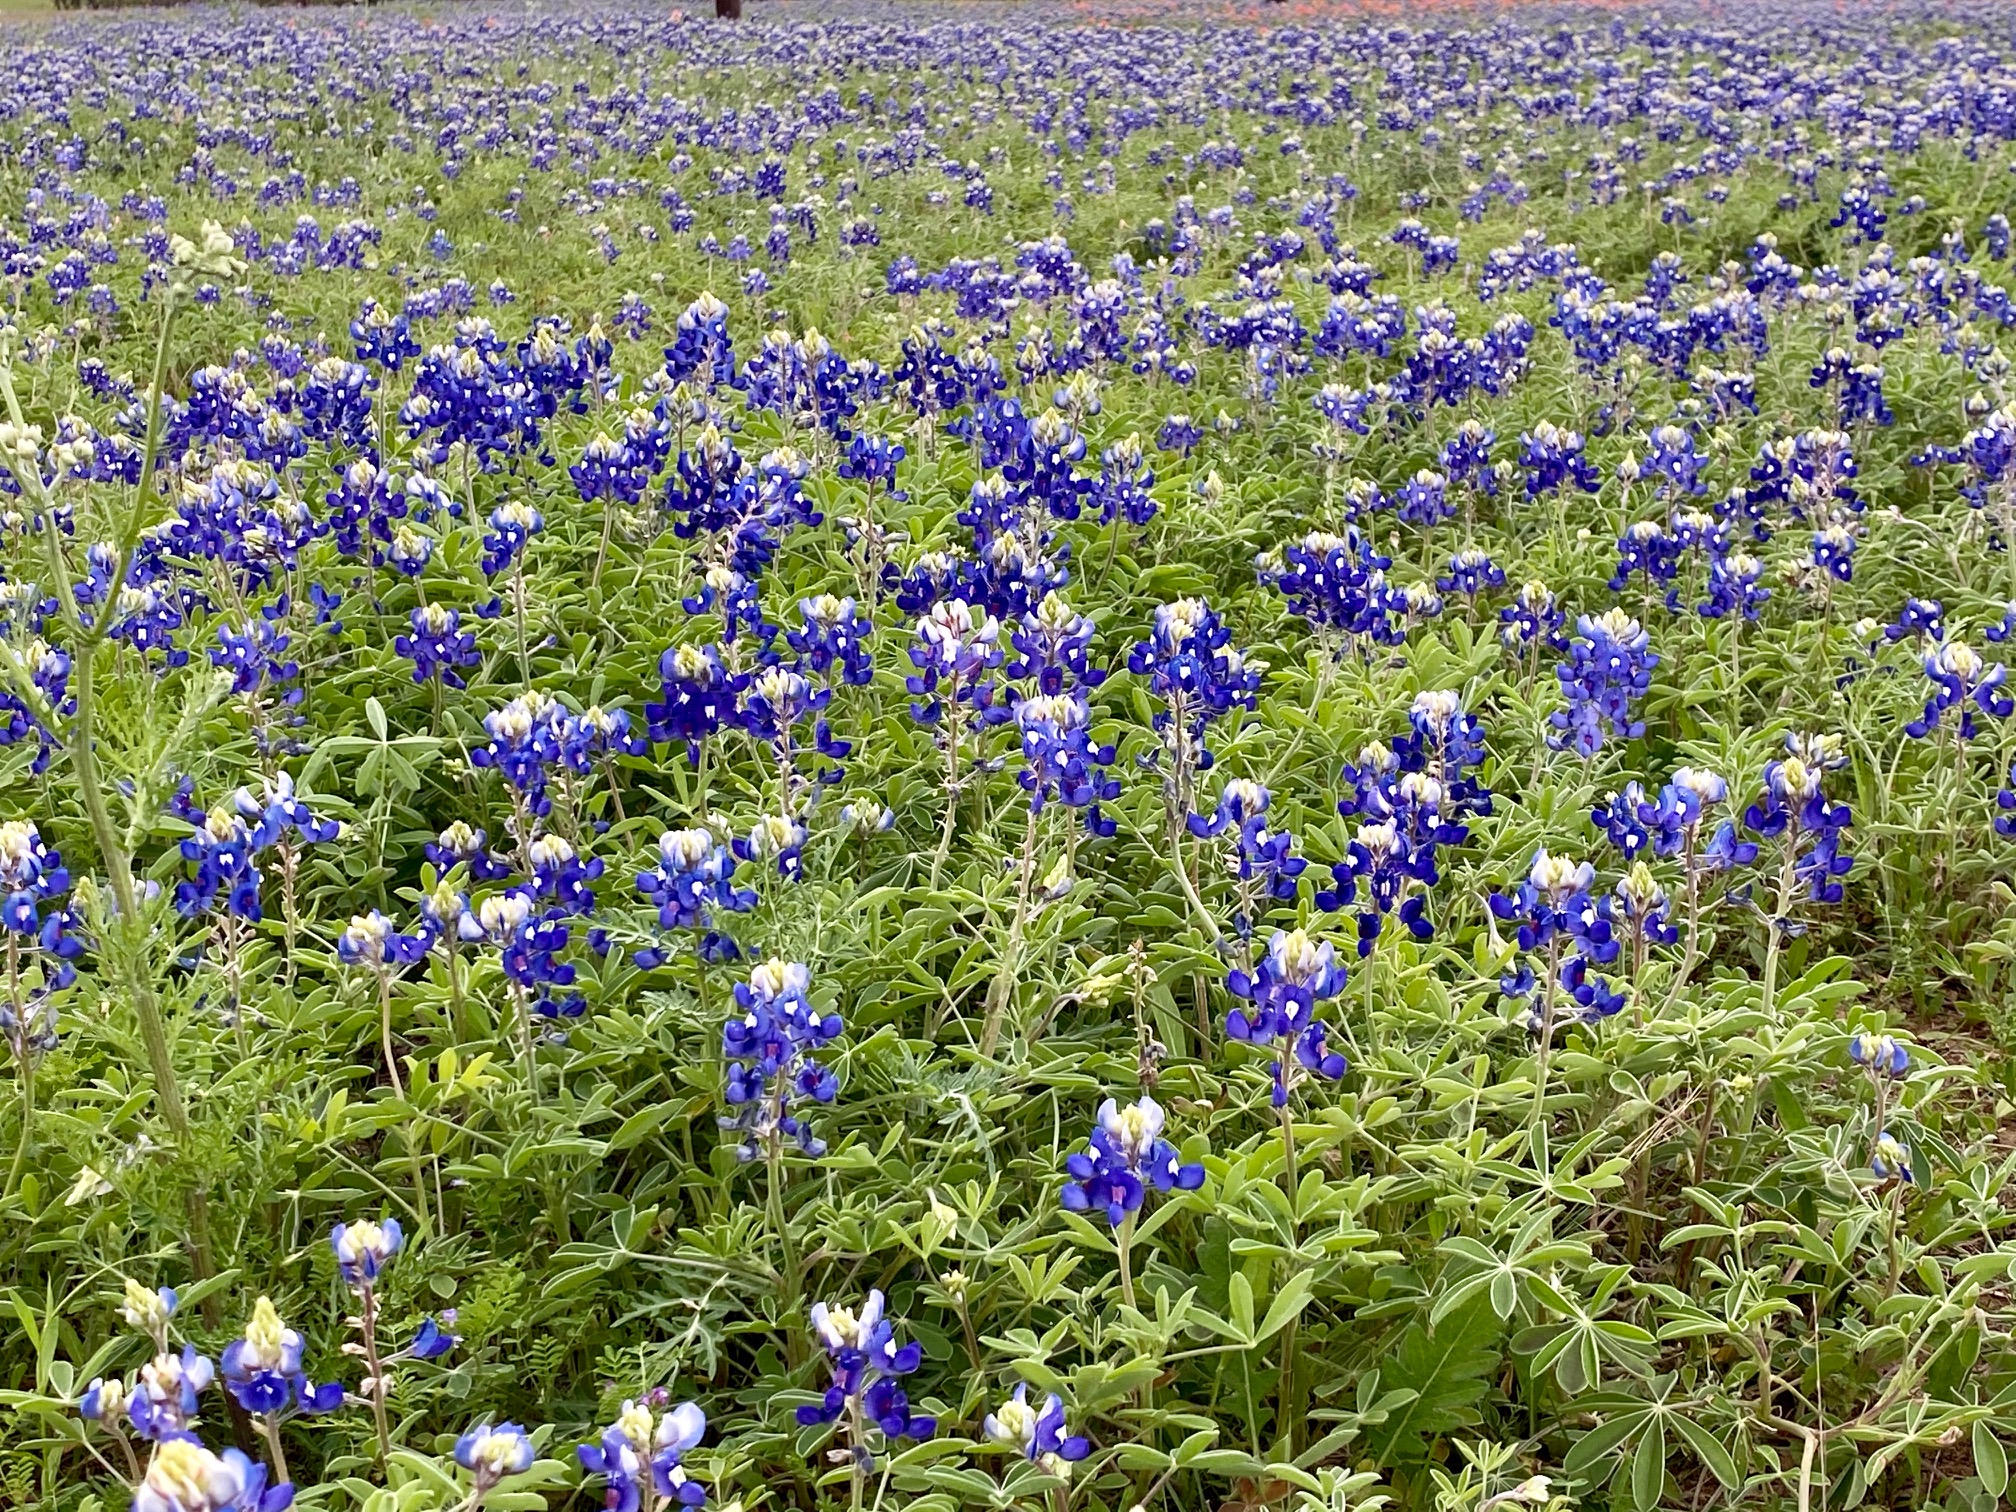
(1448, 1369)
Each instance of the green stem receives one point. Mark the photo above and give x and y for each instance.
(527, 1054)
(368, 1317)
(518, 599)
(951, 788)
(84, 766)
(1123, 1241)
(270, 1428)
(385, 1030)
(1291, 1406)
(1787, 877)
(457, 1007)
(1003, 990)
(1546, 1031)
(602, 551)
(773, 1201)
(27, 1139)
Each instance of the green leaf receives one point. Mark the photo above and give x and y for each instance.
(1287, 1304)
(1991, 1460)
(1240, 1292)
(1447, 1370)
(1648, 1467)
(1708, 1449)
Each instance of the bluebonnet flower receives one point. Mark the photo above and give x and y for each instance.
(1294, 976)
(1062, 763)
(1126, 1155)
(383, 336)
(1035, 1433)
(410, 551)
(1891, 1160)
(1733, 587)
(163, 1401)
(1338, 583)
(491, 1455)
(149, 1311)
(701, 344)
(865, 817)
(527, 742)
(1795, 805)
(1382, 859)
(1862, 395)
(834, 639)
(770, 1046)
(1414, 799)
(867, 1366)
(1880, 1055)
(224, 848)
(184, 1476)
(104, 1400)
(774, 837)
(560, 875)
(1609, 667)
(512, 526)
(1534, 619)
(363, 1249)
(1553, 457)
(1623, 821)
(956, 648)
(612, 469)
(528, 946)
(1198, 676)
(1676, 461)
(774, 703)
(1123, 489)
(1179, 433)
(47, 670)
(146, 618)
(1548, 903)
(254, 653)
(639, 1458)
(1921, 620)
(697, 697)
(2005, 807)
(1263, 861)
(1555, 908)
(1962, 680)
(460, 845)
(1834, 552)
(438, 646)
(1054, 642)
(41, 936)
(693, 879)
(1646, 547)
(1471, 572)
(262, 1369)
(1424, 500)
(372, 940)
(1647, 914)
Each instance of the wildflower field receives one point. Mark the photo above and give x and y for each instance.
(1101, 758)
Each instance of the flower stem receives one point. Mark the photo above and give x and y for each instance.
(367, 1318)
(951, 789)
(1123, 1241)
(1289, 1390)
(1546, 1030)
(773, 1199)
(269, 1427)
(385, 1030)
(27, 1139)
(1003, 989)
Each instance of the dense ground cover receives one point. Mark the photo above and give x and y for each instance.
(960, 757)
